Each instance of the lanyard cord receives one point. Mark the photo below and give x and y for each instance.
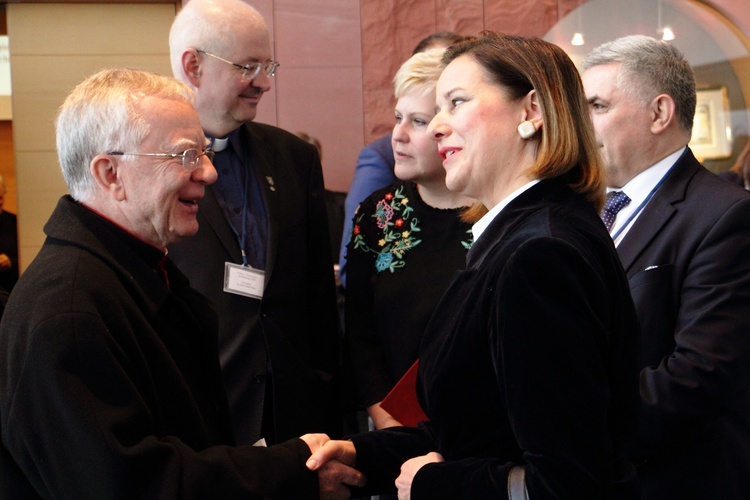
(643, 204)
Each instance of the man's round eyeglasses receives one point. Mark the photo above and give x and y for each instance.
(249, 71)
(191, 158)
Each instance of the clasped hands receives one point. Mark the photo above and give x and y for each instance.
(334, 460)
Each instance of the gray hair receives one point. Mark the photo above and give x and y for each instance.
(420, 72)
(209, 25)
(101, 115)
(650, 67)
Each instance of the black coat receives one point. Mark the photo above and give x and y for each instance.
(110, 384)
(687, 258)
(294, 329)
(529, 360)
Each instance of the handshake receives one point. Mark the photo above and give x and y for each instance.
(334, 460)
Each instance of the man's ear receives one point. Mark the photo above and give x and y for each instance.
(191, 66)
(532, 111)
(662, 111)
(104, 169)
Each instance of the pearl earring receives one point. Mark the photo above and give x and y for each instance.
(526, 130)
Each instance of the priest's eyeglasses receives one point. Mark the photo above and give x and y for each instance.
(191, 158)
(249, 71)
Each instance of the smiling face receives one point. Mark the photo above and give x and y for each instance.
(622, 125)
(476, 132)
(414, 150)
(159, 197)
(223, 100)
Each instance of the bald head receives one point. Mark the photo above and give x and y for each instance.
(210, 25)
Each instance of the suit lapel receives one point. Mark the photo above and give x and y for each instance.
(263, 159)
(213, 216)
(658, 211)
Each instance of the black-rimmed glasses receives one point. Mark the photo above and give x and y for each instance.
(190, 157)
(249, 71)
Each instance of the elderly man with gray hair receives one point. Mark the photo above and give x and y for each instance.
(110, 384)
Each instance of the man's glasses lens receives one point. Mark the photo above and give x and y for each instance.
(191, 157)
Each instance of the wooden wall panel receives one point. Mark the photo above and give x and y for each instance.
(465, 17)
(390, 31)
(53, 47)
(318, 88)
(75, 29)
(532, 18)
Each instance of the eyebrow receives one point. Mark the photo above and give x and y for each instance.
(448, 94)
(183, 143)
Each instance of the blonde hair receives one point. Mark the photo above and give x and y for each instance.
(419, 73)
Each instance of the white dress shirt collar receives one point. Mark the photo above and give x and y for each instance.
(638, 189)
(478, 228)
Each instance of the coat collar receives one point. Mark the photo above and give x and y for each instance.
(659, 210)
(549, 192)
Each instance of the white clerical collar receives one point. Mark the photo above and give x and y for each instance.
(220, 144)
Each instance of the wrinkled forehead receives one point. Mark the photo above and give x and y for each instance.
(170, 120)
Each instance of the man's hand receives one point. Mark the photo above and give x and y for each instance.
(5, 262)
(333, 460)
(409, 469)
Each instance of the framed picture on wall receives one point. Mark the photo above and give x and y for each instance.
(712, 135)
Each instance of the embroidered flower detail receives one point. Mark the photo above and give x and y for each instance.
(384, 261)
(467, 243)
(356, 230)
(383, 213)
(393, 216)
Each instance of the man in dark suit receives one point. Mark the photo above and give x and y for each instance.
(684, 240)
(262, 253)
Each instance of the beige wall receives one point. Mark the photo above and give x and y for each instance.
(337, 56)
(54, 47)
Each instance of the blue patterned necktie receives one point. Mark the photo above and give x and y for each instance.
(616, 201)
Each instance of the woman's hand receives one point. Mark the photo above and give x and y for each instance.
(410, 468)
(381, 418)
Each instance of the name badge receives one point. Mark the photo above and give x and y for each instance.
(242, 280)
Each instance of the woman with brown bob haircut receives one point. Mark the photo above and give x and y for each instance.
(527, 368)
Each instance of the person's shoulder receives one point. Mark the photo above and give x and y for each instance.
(732, 177)
(714, 190)
(381, 146)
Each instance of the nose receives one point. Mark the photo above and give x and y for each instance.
(262, 81)
(205, 173)
(399, 132)
(437, 129)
